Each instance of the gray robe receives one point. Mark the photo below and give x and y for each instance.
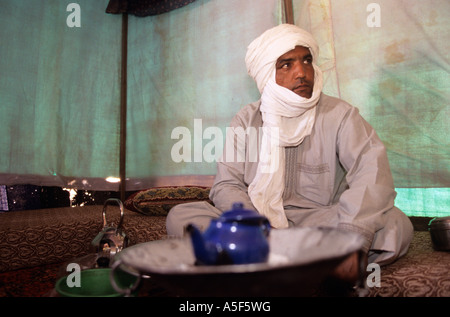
(339, 176)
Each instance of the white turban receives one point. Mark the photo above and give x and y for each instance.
(264, 51)
(287, 117)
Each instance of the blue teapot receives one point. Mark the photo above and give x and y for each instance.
(238, 236)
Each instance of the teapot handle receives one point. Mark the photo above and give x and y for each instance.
(266, 227)
(111, 201)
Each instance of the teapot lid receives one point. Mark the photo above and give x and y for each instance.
(238, 213)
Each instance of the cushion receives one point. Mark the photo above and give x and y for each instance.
(157, 201)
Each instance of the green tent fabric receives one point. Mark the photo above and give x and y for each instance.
(60, 87)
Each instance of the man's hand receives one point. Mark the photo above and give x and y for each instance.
(350, 269)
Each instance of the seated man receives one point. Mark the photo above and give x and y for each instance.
(320, 163)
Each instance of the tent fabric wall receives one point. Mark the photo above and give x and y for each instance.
(397, 74)
(60, 87)
(186, 66)
(59, 94)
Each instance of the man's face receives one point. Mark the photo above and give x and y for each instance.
(294, 71)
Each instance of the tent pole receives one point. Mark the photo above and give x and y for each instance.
(288, 11)
(123, 106)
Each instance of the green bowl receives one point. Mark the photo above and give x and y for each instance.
(96, 283)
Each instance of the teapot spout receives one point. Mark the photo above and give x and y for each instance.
(204, 255)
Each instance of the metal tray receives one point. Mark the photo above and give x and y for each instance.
(299, 260)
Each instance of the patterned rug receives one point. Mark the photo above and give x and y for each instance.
(422, 272)
(40, 282)
(33, 282)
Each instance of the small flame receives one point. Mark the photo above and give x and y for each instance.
(112, 179)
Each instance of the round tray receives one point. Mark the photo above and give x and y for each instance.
(299, 260)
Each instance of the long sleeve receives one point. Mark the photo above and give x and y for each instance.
(229, 187)
(237, 166)
(370, 190)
